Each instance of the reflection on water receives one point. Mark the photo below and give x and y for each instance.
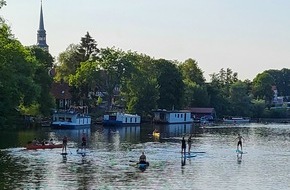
(239, 158)
(111, 152)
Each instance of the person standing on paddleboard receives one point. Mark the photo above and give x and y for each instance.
(240, 138)
(84, 141)
(64, 144)
(189, 141)
(183, 145)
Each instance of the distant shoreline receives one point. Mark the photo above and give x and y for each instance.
(270, 120)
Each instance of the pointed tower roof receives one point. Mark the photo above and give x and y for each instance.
(41, 23)
(41, 33)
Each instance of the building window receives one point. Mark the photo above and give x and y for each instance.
(61, 103)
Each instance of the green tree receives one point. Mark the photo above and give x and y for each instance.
(195, 95)
(224, 79)
(218, 100)
(70, 66)
(219, 91)
(2, 3)
(192, 72)
(68, 62)
(17, 70)
(258, 108)
(43, 63)
(282, 80)
(140, 86)
(85, 81)
(171, 87)
(262, 87)
(103, 75)
(240, 100)
(114, 66)
(88, 48)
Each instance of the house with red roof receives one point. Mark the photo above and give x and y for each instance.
(61, 92)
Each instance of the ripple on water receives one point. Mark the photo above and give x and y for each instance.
(107, 165)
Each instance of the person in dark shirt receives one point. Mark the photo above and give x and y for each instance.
(142, 159)
(84, 141)
(239, 138)
(64, 144)
(183, 145)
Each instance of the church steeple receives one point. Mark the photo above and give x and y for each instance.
(41, 33)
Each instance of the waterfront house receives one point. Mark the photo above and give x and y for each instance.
(61, 92)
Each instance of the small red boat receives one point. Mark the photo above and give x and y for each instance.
(46, 146)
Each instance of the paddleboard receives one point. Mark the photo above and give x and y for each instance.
(188, 156)
(195, 152)
(240, 152)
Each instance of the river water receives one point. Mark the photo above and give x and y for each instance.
(112, 152)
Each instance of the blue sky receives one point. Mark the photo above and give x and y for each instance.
(247, 36)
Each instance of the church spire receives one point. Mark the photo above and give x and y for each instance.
(41, 33)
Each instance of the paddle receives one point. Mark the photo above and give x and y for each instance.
(69, 150)
(135, 163)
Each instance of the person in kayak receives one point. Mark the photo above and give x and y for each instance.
(142, 159)
(34, 141)
(51, 142)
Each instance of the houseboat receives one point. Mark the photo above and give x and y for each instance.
(118, 118)
(73, 118)
(236, 120)
(173, 116)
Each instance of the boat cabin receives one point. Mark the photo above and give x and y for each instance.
(118, 118)
(173, 116)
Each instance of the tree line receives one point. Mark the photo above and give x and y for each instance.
(133, 81)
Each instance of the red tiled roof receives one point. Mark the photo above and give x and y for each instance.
(60, 90)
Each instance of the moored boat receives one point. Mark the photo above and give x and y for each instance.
(118, 118)
(172, 116)
(74, 118)
(40, 146)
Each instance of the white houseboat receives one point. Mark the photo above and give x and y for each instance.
(118, 118)
(74, 118)
(173, 116)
